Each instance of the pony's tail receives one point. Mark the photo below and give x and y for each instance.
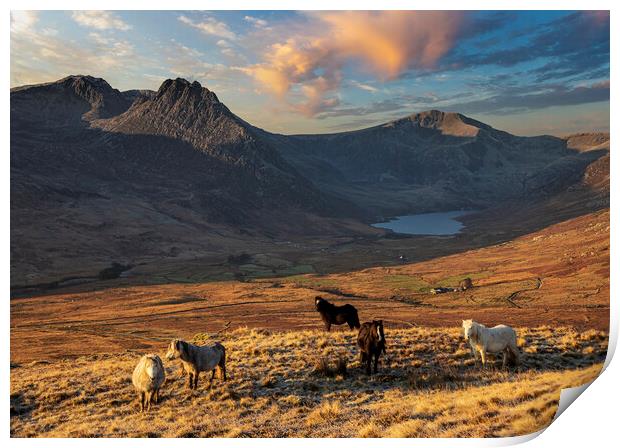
(222, 364)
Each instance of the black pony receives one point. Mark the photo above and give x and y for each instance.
(371, 341)
(336, 315)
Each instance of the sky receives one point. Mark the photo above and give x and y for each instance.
(526, 72)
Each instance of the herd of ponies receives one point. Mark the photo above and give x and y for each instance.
(149, 373)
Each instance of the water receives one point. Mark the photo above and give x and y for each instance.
(442, 223)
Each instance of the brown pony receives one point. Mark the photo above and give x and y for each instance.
(336, 315)
(371, 341)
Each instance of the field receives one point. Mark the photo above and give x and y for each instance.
(427, 386)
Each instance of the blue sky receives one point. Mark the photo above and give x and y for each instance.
(527, 72)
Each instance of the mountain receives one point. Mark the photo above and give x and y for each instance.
(66, 102)
(100, 176)
(437, 160)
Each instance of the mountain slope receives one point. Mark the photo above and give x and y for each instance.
(441, 160)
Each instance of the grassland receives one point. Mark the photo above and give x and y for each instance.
(73, 349)
(427, 386)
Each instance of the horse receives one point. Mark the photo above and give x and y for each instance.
(147, 378)
(483, 340)
(371, 342)
(196, 359)
(336, 315)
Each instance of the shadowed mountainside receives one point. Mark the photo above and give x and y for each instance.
(174, 172)
(439, 161)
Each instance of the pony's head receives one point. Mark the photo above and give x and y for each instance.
(177, 349)
(377, 326)
(319, 303)
(469, 329)
(376, 330)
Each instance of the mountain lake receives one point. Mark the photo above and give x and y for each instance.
(441, 223)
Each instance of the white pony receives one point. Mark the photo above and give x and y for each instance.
(483, 340)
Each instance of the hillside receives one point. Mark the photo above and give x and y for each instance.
(425, 387)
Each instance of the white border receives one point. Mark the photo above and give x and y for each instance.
(592, 422)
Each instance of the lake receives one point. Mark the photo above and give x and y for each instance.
(441, 223)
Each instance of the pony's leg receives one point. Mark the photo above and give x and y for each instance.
(474, 352)
(376, 361)
(196, 380)
(483, 357)
(190, 379)
(368, 360)
(504, 361)
(149, 395)
(516, 354)
(142, 401)
(328, 326)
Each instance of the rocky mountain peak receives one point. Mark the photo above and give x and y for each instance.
(68, 101)
(105, 101)
(182, 89)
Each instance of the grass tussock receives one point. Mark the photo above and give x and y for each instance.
(323, 367)
(284, 384)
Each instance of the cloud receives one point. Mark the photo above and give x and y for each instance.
(385, 44)
(110, 57)
(362, 86)
(386, 105)
(210, 26)
(258, 23)
(185, 62)
(100, 20)
(23, 21)
(540, 97)
(577, 42)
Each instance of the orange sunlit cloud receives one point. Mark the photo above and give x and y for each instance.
(386, 43)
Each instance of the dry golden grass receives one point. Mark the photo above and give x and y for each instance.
(427, 386)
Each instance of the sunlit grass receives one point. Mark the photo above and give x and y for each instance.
(284, 384)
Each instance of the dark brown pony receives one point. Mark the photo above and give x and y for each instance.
(336, 315)
(371, 341)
